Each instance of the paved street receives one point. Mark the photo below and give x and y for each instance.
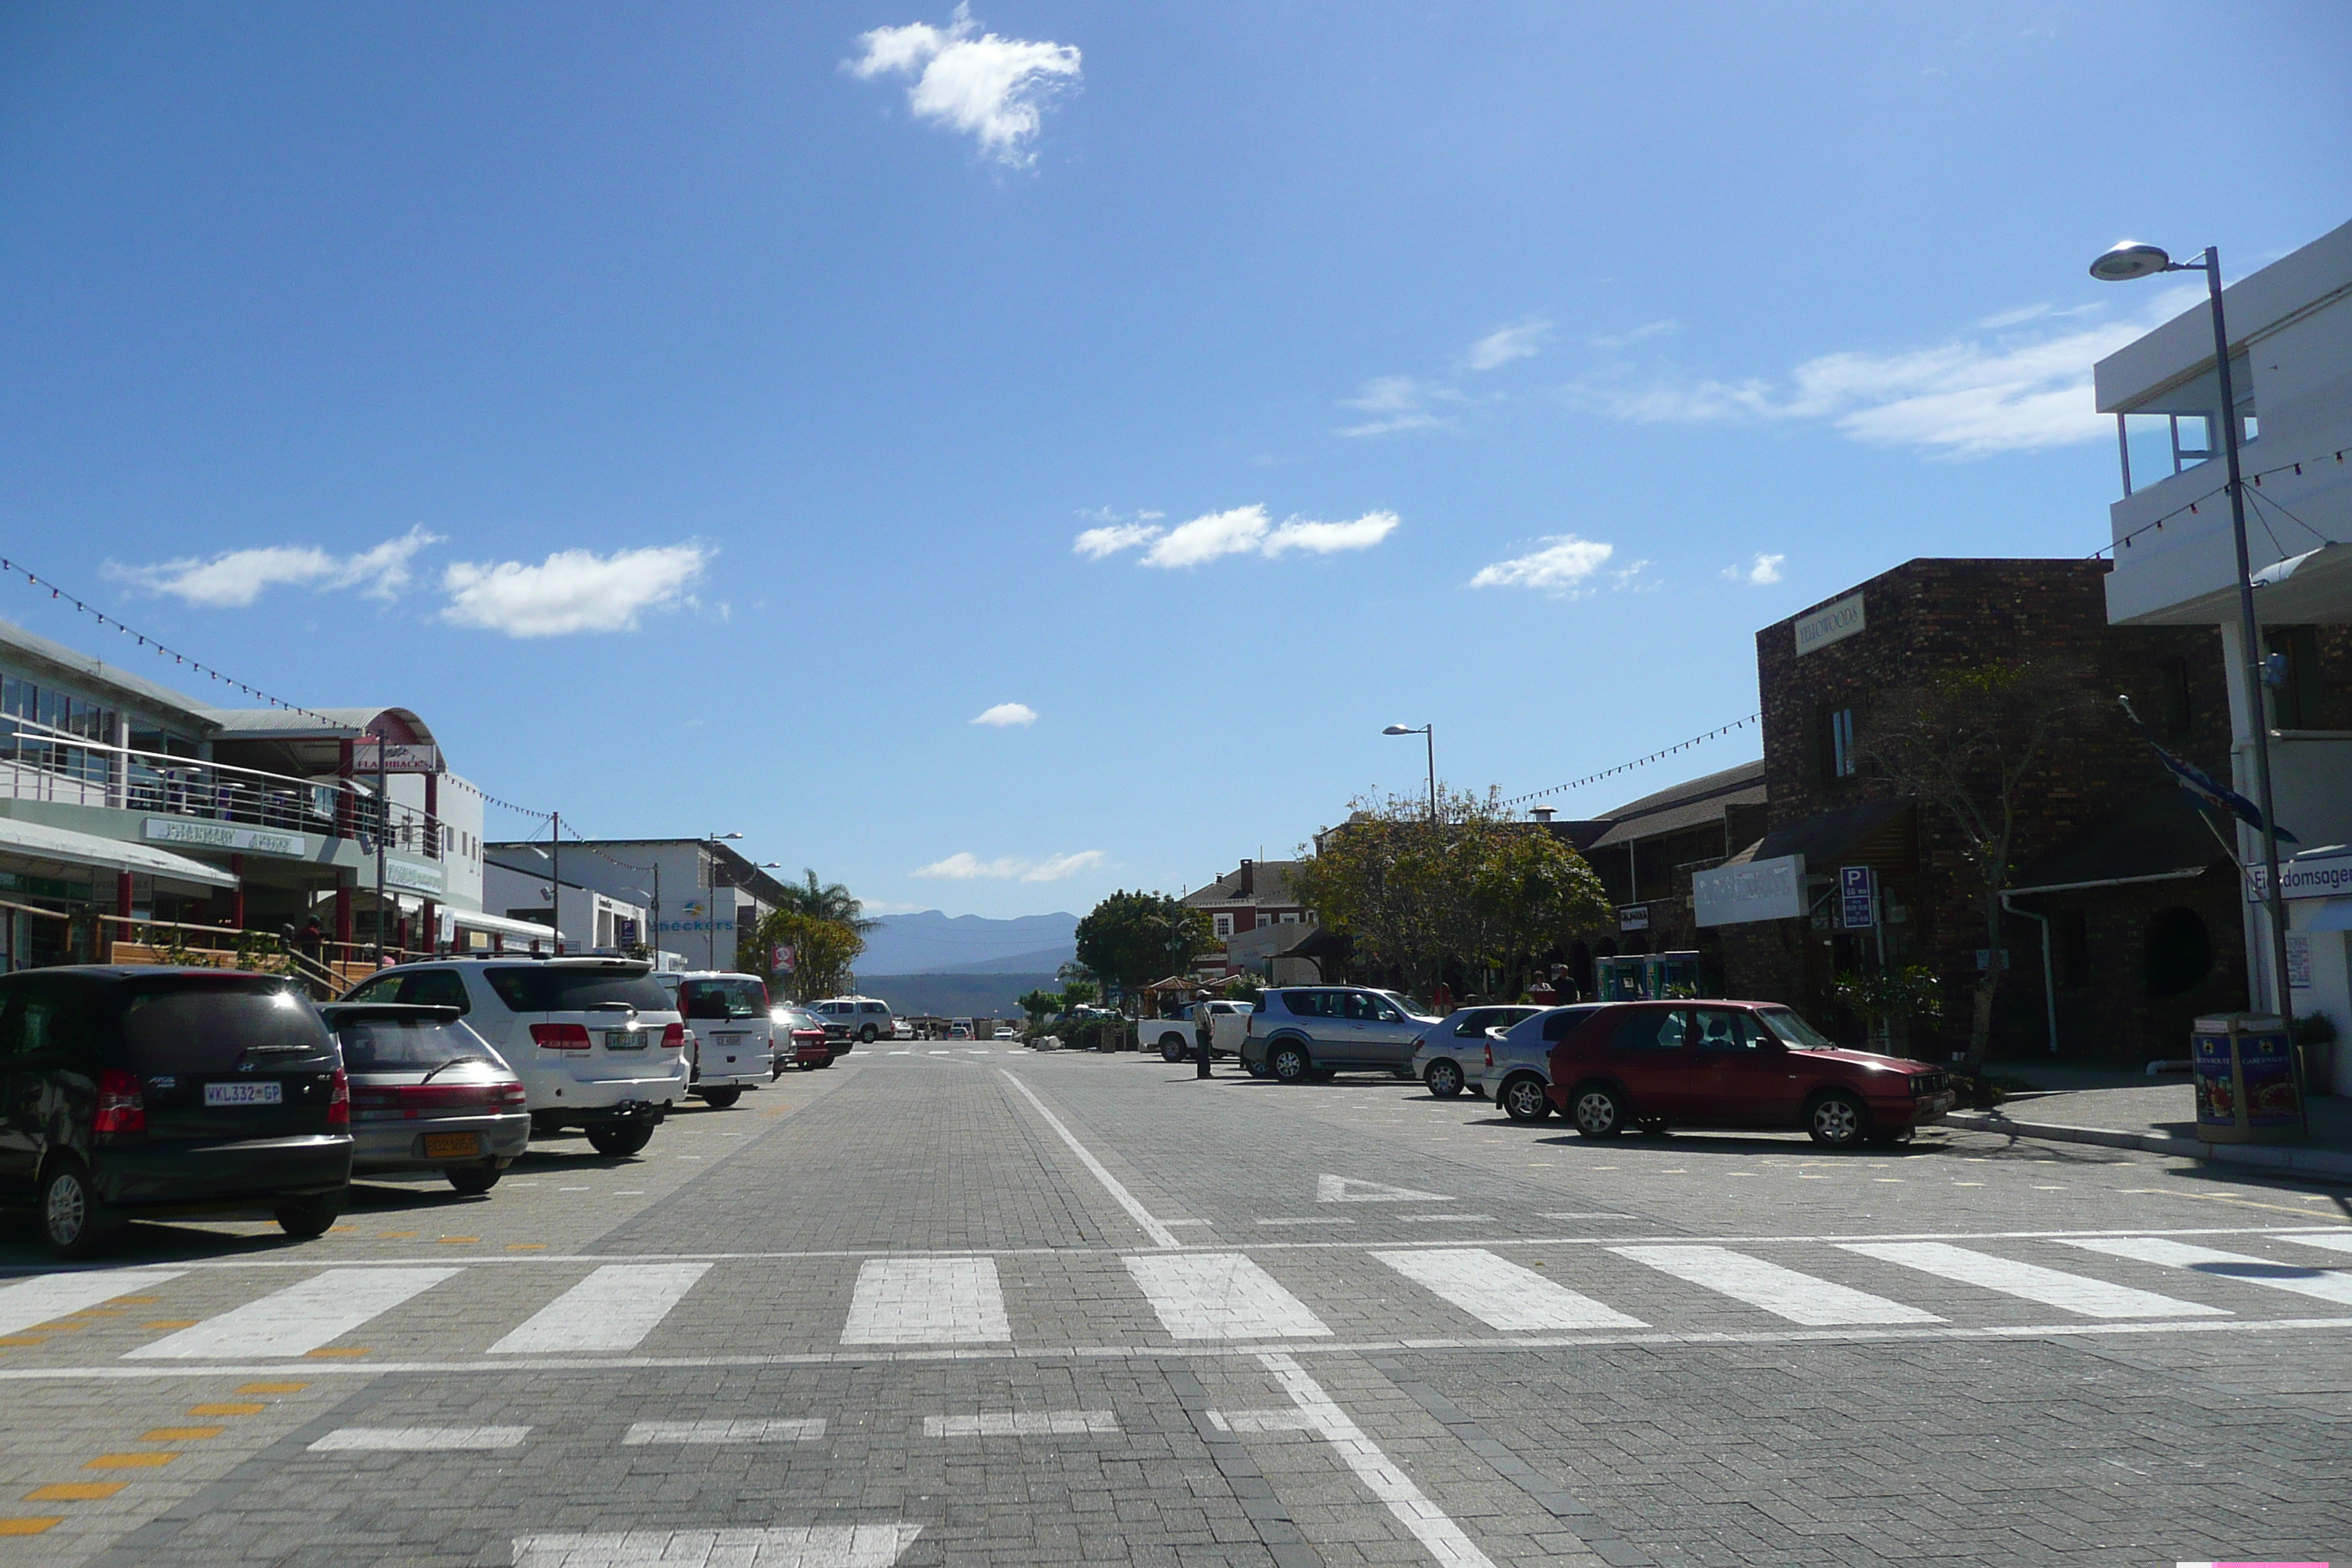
(949, 1305)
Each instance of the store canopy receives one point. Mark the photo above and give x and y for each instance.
(53, 851)
(2155, 838)
(498, 925)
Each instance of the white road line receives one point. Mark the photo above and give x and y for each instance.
(1331, 1189)
(1501, 1294)
(1430, 1525)
(1447, 1218)
(1311, 1219)
(645, 1434)
(909, 1052)
(2051, 1286)
(418, 1439)
(1220, 1296)
(2333, 1240)
(2327, 1284)
(25, 1303)
(926, 1301)
(1783, 1292)
(298, 1319)
(1584, 1217)
(612, 1310)
(1291, 1420)
(1021, 1423)
(802, 1546)
(1159, 1234)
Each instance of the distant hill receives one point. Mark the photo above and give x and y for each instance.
(953, 996)
(936, 943)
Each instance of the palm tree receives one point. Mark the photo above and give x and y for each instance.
(826, 901)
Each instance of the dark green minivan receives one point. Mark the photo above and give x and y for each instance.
(135, 1092)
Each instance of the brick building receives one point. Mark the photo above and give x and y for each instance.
(2136, 899)
(1645, 851)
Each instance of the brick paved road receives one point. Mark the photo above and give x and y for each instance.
(985, 1306)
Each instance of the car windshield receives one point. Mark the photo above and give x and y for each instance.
(545, 988)
(1404, 1003)
(177, 1027)
(1792, 1030)
(725, 998)
(384, 1044)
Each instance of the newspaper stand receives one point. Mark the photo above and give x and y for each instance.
(2247, 1089)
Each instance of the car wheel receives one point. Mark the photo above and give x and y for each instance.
(721, 1099)
(473, 1181)
(1444, 1079)
(1255, 1069)
(865, 1036)
(616, 1139)
(1171, 1048)
(1599, 1114)
(74, 1223)
(307, 1217)
(808, 1066)
(1837, 1121)
(1524, 1100)
(1287, 1064)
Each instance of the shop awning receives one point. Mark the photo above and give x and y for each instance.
(1874, 833)
(2157, 838)
(54, 850)
(498, 925)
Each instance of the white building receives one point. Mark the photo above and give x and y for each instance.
(2290, 328)
(696, 894)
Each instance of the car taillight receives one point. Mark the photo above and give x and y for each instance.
(510, 1094)
(120, 1106)
(338, 1100)
(674, 1037)
(559, 1036)
(1490, 1052)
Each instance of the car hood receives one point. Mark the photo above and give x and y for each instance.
(1866, 1059)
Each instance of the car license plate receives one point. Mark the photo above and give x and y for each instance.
(624, 1039)
(451, 1145)
(264, 1093)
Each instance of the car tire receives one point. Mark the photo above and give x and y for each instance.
(1836, 1120)
(74, 1223)
(1444, 1079)
(473, 1181)
(1171, 1048)
(617, 1139)
(1255, 1069)
(721, 1099)
(865, 1036)
(306, 1217)
(1598, 1111)
(1287, 1063)
(1525, 1099)
(808, 1066)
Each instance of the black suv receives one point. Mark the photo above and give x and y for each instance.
(154, 1092)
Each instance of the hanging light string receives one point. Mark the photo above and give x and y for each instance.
(1638, 761)
(2254, 482)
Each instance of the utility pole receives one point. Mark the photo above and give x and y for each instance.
(382, 826)
(555, 876)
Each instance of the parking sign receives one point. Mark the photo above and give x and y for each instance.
(1858, 897)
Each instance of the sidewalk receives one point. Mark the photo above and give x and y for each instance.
(2131, 1112)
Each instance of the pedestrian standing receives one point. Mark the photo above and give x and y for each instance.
(1199, 1043)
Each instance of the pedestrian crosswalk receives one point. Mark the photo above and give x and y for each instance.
(1204, 1296)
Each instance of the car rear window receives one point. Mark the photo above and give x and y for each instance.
(1563, 1023)
(543, 988)
(383, 1044)
(1650, 1029)
(208, 1025)
(724, 999)
(430, 987)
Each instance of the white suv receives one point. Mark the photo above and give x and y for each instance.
(597, 1042)
(859, 1019)
(733, 1034)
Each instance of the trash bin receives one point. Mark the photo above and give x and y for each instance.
(2246, 1090)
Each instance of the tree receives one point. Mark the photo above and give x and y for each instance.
(1075, 993)
(823, 951)
(1972, 744)
(826, 901)
(1133, 938)
(1039, 1004)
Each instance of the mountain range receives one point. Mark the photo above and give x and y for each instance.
(932, 942)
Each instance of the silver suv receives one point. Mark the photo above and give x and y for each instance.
(858, 1019)
(1302, 1032)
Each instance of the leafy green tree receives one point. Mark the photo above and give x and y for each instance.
(824, 953)
(1039, 1004)
(1077, 994)
(1133, 938)
(826, 901)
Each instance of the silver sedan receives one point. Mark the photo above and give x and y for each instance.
(427, 1094)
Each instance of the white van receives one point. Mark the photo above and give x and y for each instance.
(733, 1044)
(855, 1020)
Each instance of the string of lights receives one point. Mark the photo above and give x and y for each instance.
(1639, 761)
(2189, 508)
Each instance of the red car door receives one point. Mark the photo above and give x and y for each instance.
(1650, 1055)
(1748, 1078)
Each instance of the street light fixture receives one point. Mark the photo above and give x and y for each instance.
(710, 907)
(2126, 262)
(1429, 732)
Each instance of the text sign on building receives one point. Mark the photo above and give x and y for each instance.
(2305, 877)
(370, 755)
(1824, 627)
(1633, 917)
(414, 876)
(1858, 897)
(1770, 889)
(222, 835)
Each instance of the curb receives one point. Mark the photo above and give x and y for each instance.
(2326, 1163)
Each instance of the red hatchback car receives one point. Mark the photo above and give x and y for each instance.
(1653, 1065)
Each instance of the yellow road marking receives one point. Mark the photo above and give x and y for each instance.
(271, 1387)
(171, 1323)
(2168, 1193)
(181, 1434)
(29, 1526)
(345, 1354)
(227, 1409)
(24, 1339)
(399, 1235)
(129, 1461)
(75, 1491)
(459, 1240)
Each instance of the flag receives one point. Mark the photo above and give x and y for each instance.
(2209, 789)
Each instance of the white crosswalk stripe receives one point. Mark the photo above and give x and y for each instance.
(1783, 1292)
(1220, 1296)
(2327, 1284)
(650, 1433)
(2075, 1293)
(612, 1310)
(926, 1300)
(1021, 1423)
(25, 1303)
(1501, 1294)
(418, 1439)
(301, 1318)
(2333, 1240)
(793, 1546)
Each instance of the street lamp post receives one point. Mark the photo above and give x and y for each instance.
(1429, 733)
(710, 905)
(2125, 262)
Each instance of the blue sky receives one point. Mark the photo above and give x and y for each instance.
(703, 413)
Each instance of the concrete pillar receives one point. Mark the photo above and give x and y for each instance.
(429, 923)
(342, 907)
(236, 894)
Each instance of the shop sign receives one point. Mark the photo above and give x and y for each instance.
(370, 755)
(224, 835)
(2298, 963)
(415, 875)
(1633, 917)
(1828, 624)
(2305, 877)
(1858, 897)
(1770, 889)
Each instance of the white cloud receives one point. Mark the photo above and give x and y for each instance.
(571, 590)
(1005, 714)
(1399, 403)
(1112, 538)
(1329, 538)
(236, 578)
(1970, 397)
(1497, 349)
(1762, 571)
(1560, 567)
(1241, 530)
(965, 867)
(1641, 334)
(987, 87)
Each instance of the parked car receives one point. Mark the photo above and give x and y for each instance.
(860, 1019)
(1450, 1057)
(1177, 1039)
(1517, 1065)
(731, 1049)
(799, 1040)
(1656, 1065)
(1298, 1033)
(138, 1092)
(902, 1029)
(1005, 1032)
(596, 1041)
(427, 1094)
(961, 1029)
